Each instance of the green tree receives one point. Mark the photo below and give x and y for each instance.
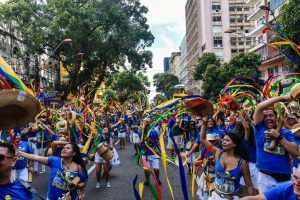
(165, 83)
(203, 61)
(289, 22)
(158, 99)
(108, 32)
(244, 64)
(126, 83)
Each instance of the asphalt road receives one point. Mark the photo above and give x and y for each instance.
(122, 180)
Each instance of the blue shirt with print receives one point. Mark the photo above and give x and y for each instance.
(60, 179)
(272, 160)
(15, 190)
(21, 161)
(152, 141)
(218, 133)
(41, 140)
(251, 150)
(296, 160)
(281, 192)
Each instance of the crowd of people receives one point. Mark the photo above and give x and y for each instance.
(248, 153)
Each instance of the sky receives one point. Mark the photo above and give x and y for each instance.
(167, 23)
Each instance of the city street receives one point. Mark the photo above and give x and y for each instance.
(121, 180)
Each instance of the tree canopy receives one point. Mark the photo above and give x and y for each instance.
(289, 22)
(108, 32)
(127, 83)
(244, 64)
(203, 61)
(165, 83)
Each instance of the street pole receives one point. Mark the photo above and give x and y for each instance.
(37, 73)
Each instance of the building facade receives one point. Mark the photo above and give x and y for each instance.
(183, 62)
(175, 64)
(207, 23)
(272, 59)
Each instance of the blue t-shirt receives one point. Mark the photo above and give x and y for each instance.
(272, 160)
(15, 190)
(152, 141)
(251, 150)
(281, 192)
(40, 139)
(296, 160)
(122, 128)
(21, 161)
(186, 118)
(60, 179)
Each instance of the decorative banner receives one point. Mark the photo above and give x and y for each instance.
(7, 72)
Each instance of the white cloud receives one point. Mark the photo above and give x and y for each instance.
(167, 23)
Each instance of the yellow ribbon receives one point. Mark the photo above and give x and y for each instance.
(164, 156)
(141, 189)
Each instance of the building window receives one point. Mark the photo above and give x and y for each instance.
(246, 9)
(239, 8)
(218, 42)
(216, 7)
(232, 20)
(216, 18)
(232, 9)
(203, 47)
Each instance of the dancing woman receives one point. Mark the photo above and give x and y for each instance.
(231, 165)
(65, 172)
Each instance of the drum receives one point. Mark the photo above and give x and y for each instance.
(189, 145)
(295, 91)
(104, 151)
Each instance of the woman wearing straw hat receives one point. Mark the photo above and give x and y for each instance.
(68, 175)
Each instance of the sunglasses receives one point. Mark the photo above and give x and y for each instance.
(3, 157)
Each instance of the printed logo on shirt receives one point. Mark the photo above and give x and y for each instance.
(278, 149)
(62, 179)
(224, 182)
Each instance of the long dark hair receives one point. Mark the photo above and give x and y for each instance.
(77, 158)
(240, 131)
(239, 149)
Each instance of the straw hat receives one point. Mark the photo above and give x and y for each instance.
(211, 137)
(43, 114)
(17, 108)
(71, 117)
(61, 126)
(183, 158)
(295, 91)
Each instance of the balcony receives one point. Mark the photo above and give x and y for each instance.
(257, 46)
(257, 14)
(251, 2)
(257, 31)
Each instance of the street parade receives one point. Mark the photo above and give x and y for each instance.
(103, 135)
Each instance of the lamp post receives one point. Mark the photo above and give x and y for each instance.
(67, 40)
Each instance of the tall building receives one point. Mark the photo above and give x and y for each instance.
(183, 62)
(207, 25)
(175, 64)
(166, 64)
(272, 59)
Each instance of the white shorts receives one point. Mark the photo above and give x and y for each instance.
(254, 176)
(152, 161)
(178, 141)
(266, 182)
(192, 157)
(22, 174)
(122, 135)
(135, 138)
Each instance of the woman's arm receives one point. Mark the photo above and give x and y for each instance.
(41, 159)
(203, 140)
(257, 197)
(247, 178)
